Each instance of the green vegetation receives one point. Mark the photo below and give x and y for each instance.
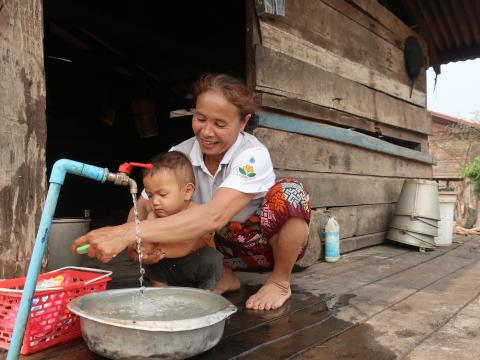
(472, 173)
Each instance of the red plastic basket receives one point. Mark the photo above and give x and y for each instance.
(50, 322)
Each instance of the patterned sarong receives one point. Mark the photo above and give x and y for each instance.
(245, 245)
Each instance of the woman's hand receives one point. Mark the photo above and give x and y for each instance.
(107, 242)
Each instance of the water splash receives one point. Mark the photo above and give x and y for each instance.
(138, 241)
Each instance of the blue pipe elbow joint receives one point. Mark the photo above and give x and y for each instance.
(64, 166)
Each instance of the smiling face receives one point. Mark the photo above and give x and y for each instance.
(166, 194)
(216, 123)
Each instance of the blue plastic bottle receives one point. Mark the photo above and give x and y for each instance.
(332, 240)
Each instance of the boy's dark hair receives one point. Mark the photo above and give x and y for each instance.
(175, 161)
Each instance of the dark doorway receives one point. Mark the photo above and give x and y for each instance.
(115, 71)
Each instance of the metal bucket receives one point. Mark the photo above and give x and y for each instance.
(163, 323)
(63, 232)
(417, 225)
(411, 238)
(419, 198)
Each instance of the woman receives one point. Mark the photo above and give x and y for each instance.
(260, 224)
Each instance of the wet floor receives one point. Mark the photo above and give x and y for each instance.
(305, 323)
(300, 329)
(395, 304)
(356, 344)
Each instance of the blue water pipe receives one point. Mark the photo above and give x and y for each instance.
(60, 169)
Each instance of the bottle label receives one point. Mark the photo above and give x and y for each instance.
(332, 244)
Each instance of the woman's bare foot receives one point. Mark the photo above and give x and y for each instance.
(228, 282)
(272, 295)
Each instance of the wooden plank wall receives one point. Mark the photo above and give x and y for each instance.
(22, 132)
(342, 63)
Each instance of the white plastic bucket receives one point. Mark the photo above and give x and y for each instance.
(63, 232)
(445, 225)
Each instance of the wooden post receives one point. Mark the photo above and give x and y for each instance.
(22, 131)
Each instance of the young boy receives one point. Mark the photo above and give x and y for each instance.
(170, 185)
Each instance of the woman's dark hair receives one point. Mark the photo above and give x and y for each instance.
(233, 89)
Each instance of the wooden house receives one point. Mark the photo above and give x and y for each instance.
(96, 81)
(455, 143)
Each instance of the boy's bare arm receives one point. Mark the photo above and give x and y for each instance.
(151, 251)
(154, 252)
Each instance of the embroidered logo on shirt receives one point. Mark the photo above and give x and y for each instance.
(247, 170)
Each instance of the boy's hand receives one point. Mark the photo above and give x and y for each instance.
(151, 253)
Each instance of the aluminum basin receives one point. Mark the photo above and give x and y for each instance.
(164, 323)
(411, 238)
(416, 225)
(419, 198)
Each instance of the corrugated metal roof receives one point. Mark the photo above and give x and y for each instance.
(450, 27)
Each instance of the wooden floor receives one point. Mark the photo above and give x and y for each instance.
(384, 302)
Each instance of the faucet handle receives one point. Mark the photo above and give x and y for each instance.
(127, 167)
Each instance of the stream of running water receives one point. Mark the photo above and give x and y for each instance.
(138, 241)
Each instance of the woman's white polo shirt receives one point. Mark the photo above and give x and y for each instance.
(246, 167)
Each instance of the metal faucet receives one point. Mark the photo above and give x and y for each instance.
(122, 178)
